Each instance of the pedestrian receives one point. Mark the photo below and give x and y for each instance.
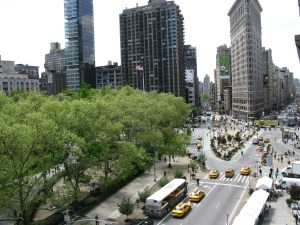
(97, 220)
(293, 152)
(242, 153)
(271, 170)
(137, 202)
(165, 173)
(281, 158)
(260, 172)
(198, 181)
(165, 159)
(296, 218)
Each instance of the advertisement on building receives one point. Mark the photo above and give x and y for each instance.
(224, 62)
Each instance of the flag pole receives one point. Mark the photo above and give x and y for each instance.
(143, 71)
(143, 80)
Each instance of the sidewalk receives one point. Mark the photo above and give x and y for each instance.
(108, 210)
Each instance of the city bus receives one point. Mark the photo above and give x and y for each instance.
(163, 200)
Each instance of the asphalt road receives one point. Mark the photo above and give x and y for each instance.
(222, 195)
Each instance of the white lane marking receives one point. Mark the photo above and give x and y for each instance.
(233, 185)
(218, 205)
(206, 176)
(205, 195)
(236, 177)
(240, 178)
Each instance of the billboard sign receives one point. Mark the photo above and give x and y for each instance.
(224, 62)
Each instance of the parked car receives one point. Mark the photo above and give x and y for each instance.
(181, 209)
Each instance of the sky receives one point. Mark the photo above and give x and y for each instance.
(27, 27)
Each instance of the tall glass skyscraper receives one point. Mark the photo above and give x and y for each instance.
(80, 45)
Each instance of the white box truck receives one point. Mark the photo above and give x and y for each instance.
(292, 170)
(286, 182)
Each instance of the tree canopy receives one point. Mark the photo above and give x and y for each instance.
(104, 129)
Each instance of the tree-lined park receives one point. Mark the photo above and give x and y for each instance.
(104, 131)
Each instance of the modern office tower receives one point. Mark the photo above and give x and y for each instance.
(154, 35)
(80, 46)
(297, 85)
(109, 75)
(222, 72)
(31, 71)
(190, 58)
(190, 85)
(55, 60)
(286, 87)
(268, 77)
(206, 85)
(246, 57)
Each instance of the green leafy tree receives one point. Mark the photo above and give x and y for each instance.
(204, 97)
(126, 207)
(24, 153)
(144, 194)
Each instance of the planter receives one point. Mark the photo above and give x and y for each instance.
(127, 221)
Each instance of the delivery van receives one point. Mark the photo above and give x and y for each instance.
(255, 140)
(286, 182)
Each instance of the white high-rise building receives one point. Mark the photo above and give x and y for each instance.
(246, 58)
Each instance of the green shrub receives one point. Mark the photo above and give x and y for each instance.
(178, 173)
(289, 201)
(163, 181)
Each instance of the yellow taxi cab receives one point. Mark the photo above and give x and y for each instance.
(181, 209)
(259, 148)
(245, 170)
(214, 174)
(229, 173)
(267, 140)
(199, 138)
(260, 138)
(196, 195)
(199, 146)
